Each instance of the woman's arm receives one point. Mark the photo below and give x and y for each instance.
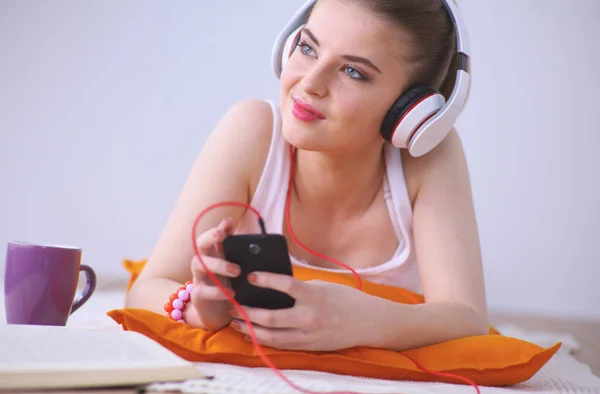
(225, 170)
(448, 254)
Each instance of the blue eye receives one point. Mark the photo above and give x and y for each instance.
(305, 48)
(353, 73)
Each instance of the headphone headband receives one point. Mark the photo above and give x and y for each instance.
(437, 122)
(300, 18)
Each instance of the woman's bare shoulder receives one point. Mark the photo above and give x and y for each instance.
(246, 125)
(447, 159)
(244, 135)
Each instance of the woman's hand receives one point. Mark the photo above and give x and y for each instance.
(326, 316)
(210, 305)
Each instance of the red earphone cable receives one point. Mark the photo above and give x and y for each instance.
(257, 345)
(239, 308)
(289, 224)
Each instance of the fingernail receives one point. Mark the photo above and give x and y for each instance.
(252, 278)
(233, 269)
(235, 325)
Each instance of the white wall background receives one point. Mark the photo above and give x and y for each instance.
(104, 106)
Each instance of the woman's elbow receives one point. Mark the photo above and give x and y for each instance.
(480, 324)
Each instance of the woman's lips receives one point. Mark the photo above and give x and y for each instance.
(305, 112)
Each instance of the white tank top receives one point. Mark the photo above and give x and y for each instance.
(270, 197)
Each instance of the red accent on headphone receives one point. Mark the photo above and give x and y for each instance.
(407, 112)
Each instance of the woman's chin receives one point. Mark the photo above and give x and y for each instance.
(304, 139)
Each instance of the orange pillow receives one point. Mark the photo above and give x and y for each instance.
(490, 360)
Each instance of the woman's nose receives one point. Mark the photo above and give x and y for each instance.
(315, 81)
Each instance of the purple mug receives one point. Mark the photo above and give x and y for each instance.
(40, 282)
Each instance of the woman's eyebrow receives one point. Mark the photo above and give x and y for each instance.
(351, 58)
(311, 35)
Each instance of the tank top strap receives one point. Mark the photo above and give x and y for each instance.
(399, 205)
(269, 196)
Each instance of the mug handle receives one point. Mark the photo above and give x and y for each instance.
(90, 286)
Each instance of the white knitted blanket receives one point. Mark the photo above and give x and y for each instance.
(562, 374)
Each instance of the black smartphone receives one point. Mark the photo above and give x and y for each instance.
(258, 252)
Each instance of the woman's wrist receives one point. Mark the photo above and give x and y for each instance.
(191, 316)
(178, 301)
(180, 308)
(376, 313)
(214, 319)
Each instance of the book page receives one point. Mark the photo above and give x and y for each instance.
(41, 348)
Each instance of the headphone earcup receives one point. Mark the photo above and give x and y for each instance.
(290, 45)
(413, 108)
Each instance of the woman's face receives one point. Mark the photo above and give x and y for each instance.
(347, 69)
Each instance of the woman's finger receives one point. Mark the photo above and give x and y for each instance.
(281, 282)
(226, 226)
(296, 317)
(215, 265)
(209, 238)
(205, 292)
(213, 236)
(281, 338)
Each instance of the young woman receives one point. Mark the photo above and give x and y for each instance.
(396, 219)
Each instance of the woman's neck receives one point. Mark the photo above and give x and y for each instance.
(342, 186)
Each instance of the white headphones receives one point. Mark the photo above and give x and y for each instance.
(420, 118)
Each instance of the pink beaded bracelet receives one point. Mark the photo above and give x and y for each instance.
(178, 301)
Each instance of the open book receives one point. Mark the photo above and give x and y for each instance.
(51, 357)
